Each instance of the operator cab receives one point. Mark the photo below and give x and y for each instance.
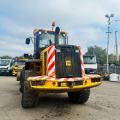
(48, 38)
(67, 57)
(44, 38)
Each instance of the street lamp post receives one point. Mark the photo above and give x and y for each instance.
(108, 38)
(116, 46)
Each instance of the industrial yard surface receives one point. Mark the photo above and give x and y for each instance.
(104, 104)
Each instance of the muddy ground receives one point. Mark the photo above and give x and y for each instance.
(104, 104)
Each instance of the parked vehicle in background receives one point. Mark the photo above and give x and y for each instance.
(90, 64)
(5, 66)
(18, 65)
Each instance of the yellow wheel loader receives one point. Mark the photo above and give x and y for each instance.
(57, 67)
(17, 66)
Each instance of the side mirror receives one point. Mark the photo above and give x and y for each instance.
(27, 41)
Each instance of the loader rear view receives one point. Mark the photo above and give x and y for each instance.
(57, 67)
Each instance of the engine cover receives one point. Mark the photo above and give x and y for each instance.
(67, 61)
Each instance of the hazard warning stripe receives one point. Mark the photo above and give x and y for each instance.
(52, 72)
(82, 62)
(39, 77)
(51, 56)
(51, 50)
(69, 79)
(51, 66)
(53, 78)
(51, 61)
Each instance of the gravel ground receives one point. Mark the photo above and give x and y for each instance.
(104, 104)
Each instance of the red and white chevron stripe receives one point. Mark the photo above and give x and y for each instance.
(51, 61)
(69, 79)
(53, 78)
(82, 62)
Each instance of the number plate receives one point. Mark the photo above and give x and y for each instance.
(63, 84)
(67, 84)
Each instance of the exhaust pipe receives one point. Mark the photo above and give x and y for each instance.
(57, 31)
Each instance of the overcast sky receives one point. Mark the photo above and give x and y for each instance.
(84, 20)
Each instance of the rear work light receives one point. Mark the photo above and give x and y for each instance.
(38, 83)
(95, 79)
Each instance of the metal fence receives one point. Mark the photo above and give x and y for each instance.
(112, 69)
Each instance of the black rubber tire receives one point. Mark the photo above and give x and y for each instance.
(29, 98)
(10, 73)
(22, 79)
(79, 97)
(18, 77)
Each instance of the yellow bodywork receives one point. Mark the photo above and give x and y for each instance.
(14, 70)
(53, 85)
(17, 68)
